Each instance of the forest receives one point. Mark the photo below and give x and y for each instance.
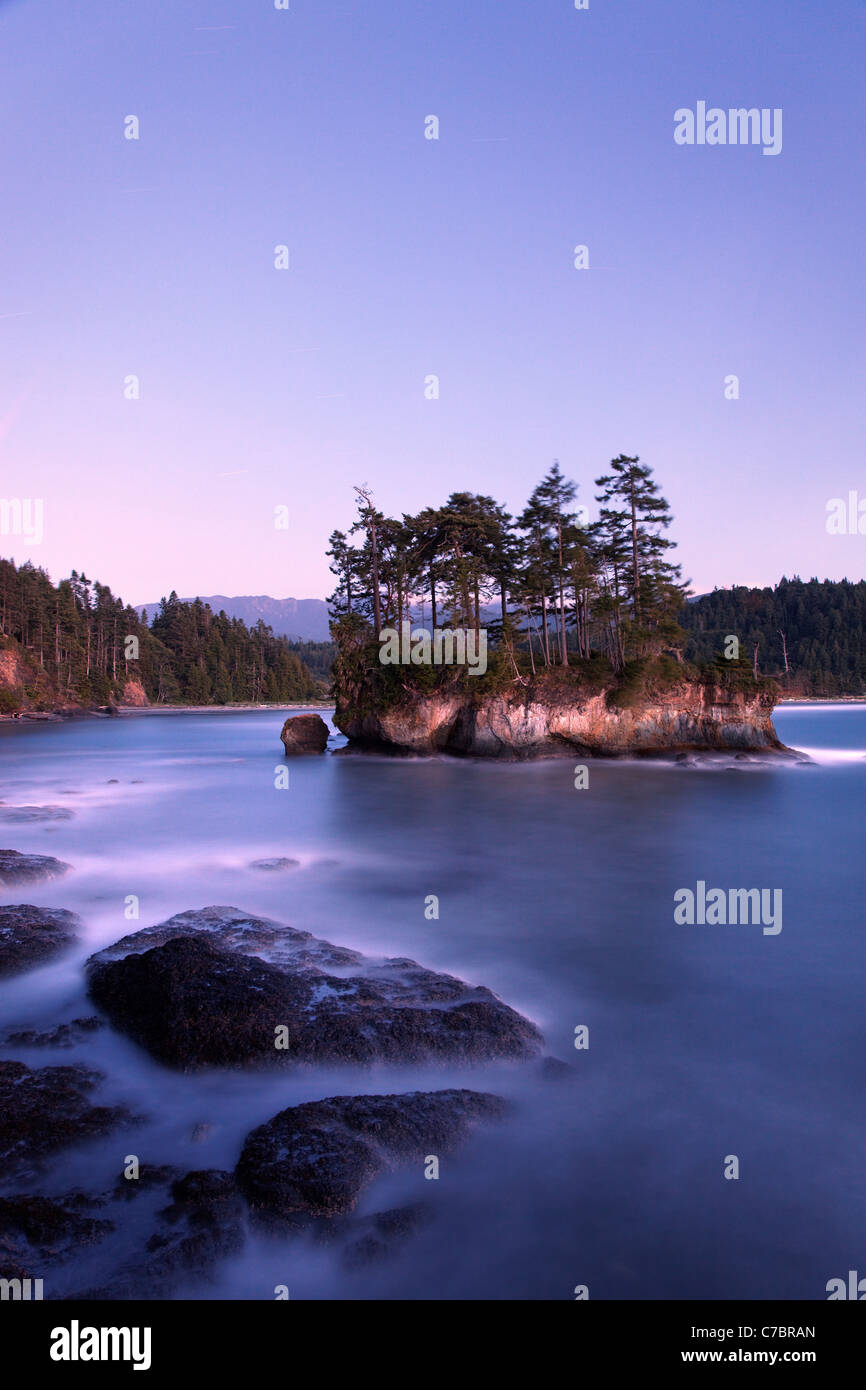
(75, 643)
(564, 601)
(563, 591)
(808, 634)
(556, 591)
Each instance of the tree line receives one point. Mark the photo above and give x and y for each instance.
(79, 644)
(562, 590)
(807, 634)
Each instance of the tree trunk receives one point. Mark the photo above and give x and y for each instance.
(529, 635)
(377, 612)
(634, 554)
(562, 633)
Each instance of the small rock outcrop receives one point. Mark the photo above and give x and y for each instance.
(30, 936)
(46, 1109)
(62, 1035)
(314, 1160)
(304, 733)
(219, 988)
(42, 1231)
(29, 868)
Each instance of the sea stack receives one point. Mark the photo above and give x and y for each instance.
(304, 733)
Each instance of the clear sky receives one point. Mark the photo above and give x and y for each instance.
(262, 388)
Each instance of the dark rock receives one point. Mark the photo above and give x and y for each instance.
(314, 1160)
(31, 935)
(47, 1109)
(35, 813)
(64, 1035)
(150, 1175)
(382, 1232)
(29, 868)
(304, 733)
(42, 1231)
(552, 1069)
(197, 998)
(203, 1224)
(274, 864)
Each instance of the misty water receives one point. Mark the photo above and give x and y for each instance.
(705, 1041)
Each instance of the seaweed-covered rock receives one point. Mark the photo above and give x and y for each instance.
(46, 1109)
(30, 936)
(199, 997)
(314, 1160)
(29, 868)
(63, 1035)
(40, 1230)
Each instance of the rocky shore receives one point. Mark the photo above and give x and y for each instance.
(218, 987)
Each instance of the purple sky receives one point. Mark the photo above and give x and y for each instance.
(408, 257)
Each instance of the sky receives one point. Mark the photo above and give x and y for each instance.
(265, 394)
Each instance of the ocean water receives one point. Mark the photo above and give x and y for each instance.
(705, 1042)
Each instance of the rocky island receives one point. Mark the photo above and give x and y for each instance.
(548, 719)
(581, 651)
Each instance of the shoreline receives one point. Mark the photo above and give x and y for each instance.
(66, 714)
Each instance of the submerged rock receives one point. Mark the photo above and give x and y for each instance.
(47, 1109)
(203, 1223)
(64, 1035)
(29, 868)
(193, 994)
(304, 733)
(314, 1160)
(35, 813)
(380, 1233)
(30, 936)
(38, 1231)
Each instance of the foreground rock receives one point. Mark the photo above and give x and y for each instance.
(192, 992)
(63, 1035)
(304, 733)
(29, 868)
(30, 936)
(39, 1231)
(314, 1160)
(47, 1109)
(203, 1224)
(382, 1232)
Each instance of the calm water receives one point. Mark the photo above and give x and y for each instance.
(705, 1041)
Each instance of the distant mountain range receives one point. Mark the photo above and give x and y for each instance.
(299, 619)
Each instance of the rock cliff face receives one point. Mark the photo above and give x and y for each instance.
(526, 723)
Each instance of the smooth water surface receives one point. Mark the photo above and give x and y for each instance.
(705, 1041)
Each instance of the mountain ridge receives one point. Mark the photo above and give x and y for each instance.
(302, 619)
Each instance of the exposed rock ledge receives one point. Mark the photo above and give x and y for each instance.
(518, 723)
